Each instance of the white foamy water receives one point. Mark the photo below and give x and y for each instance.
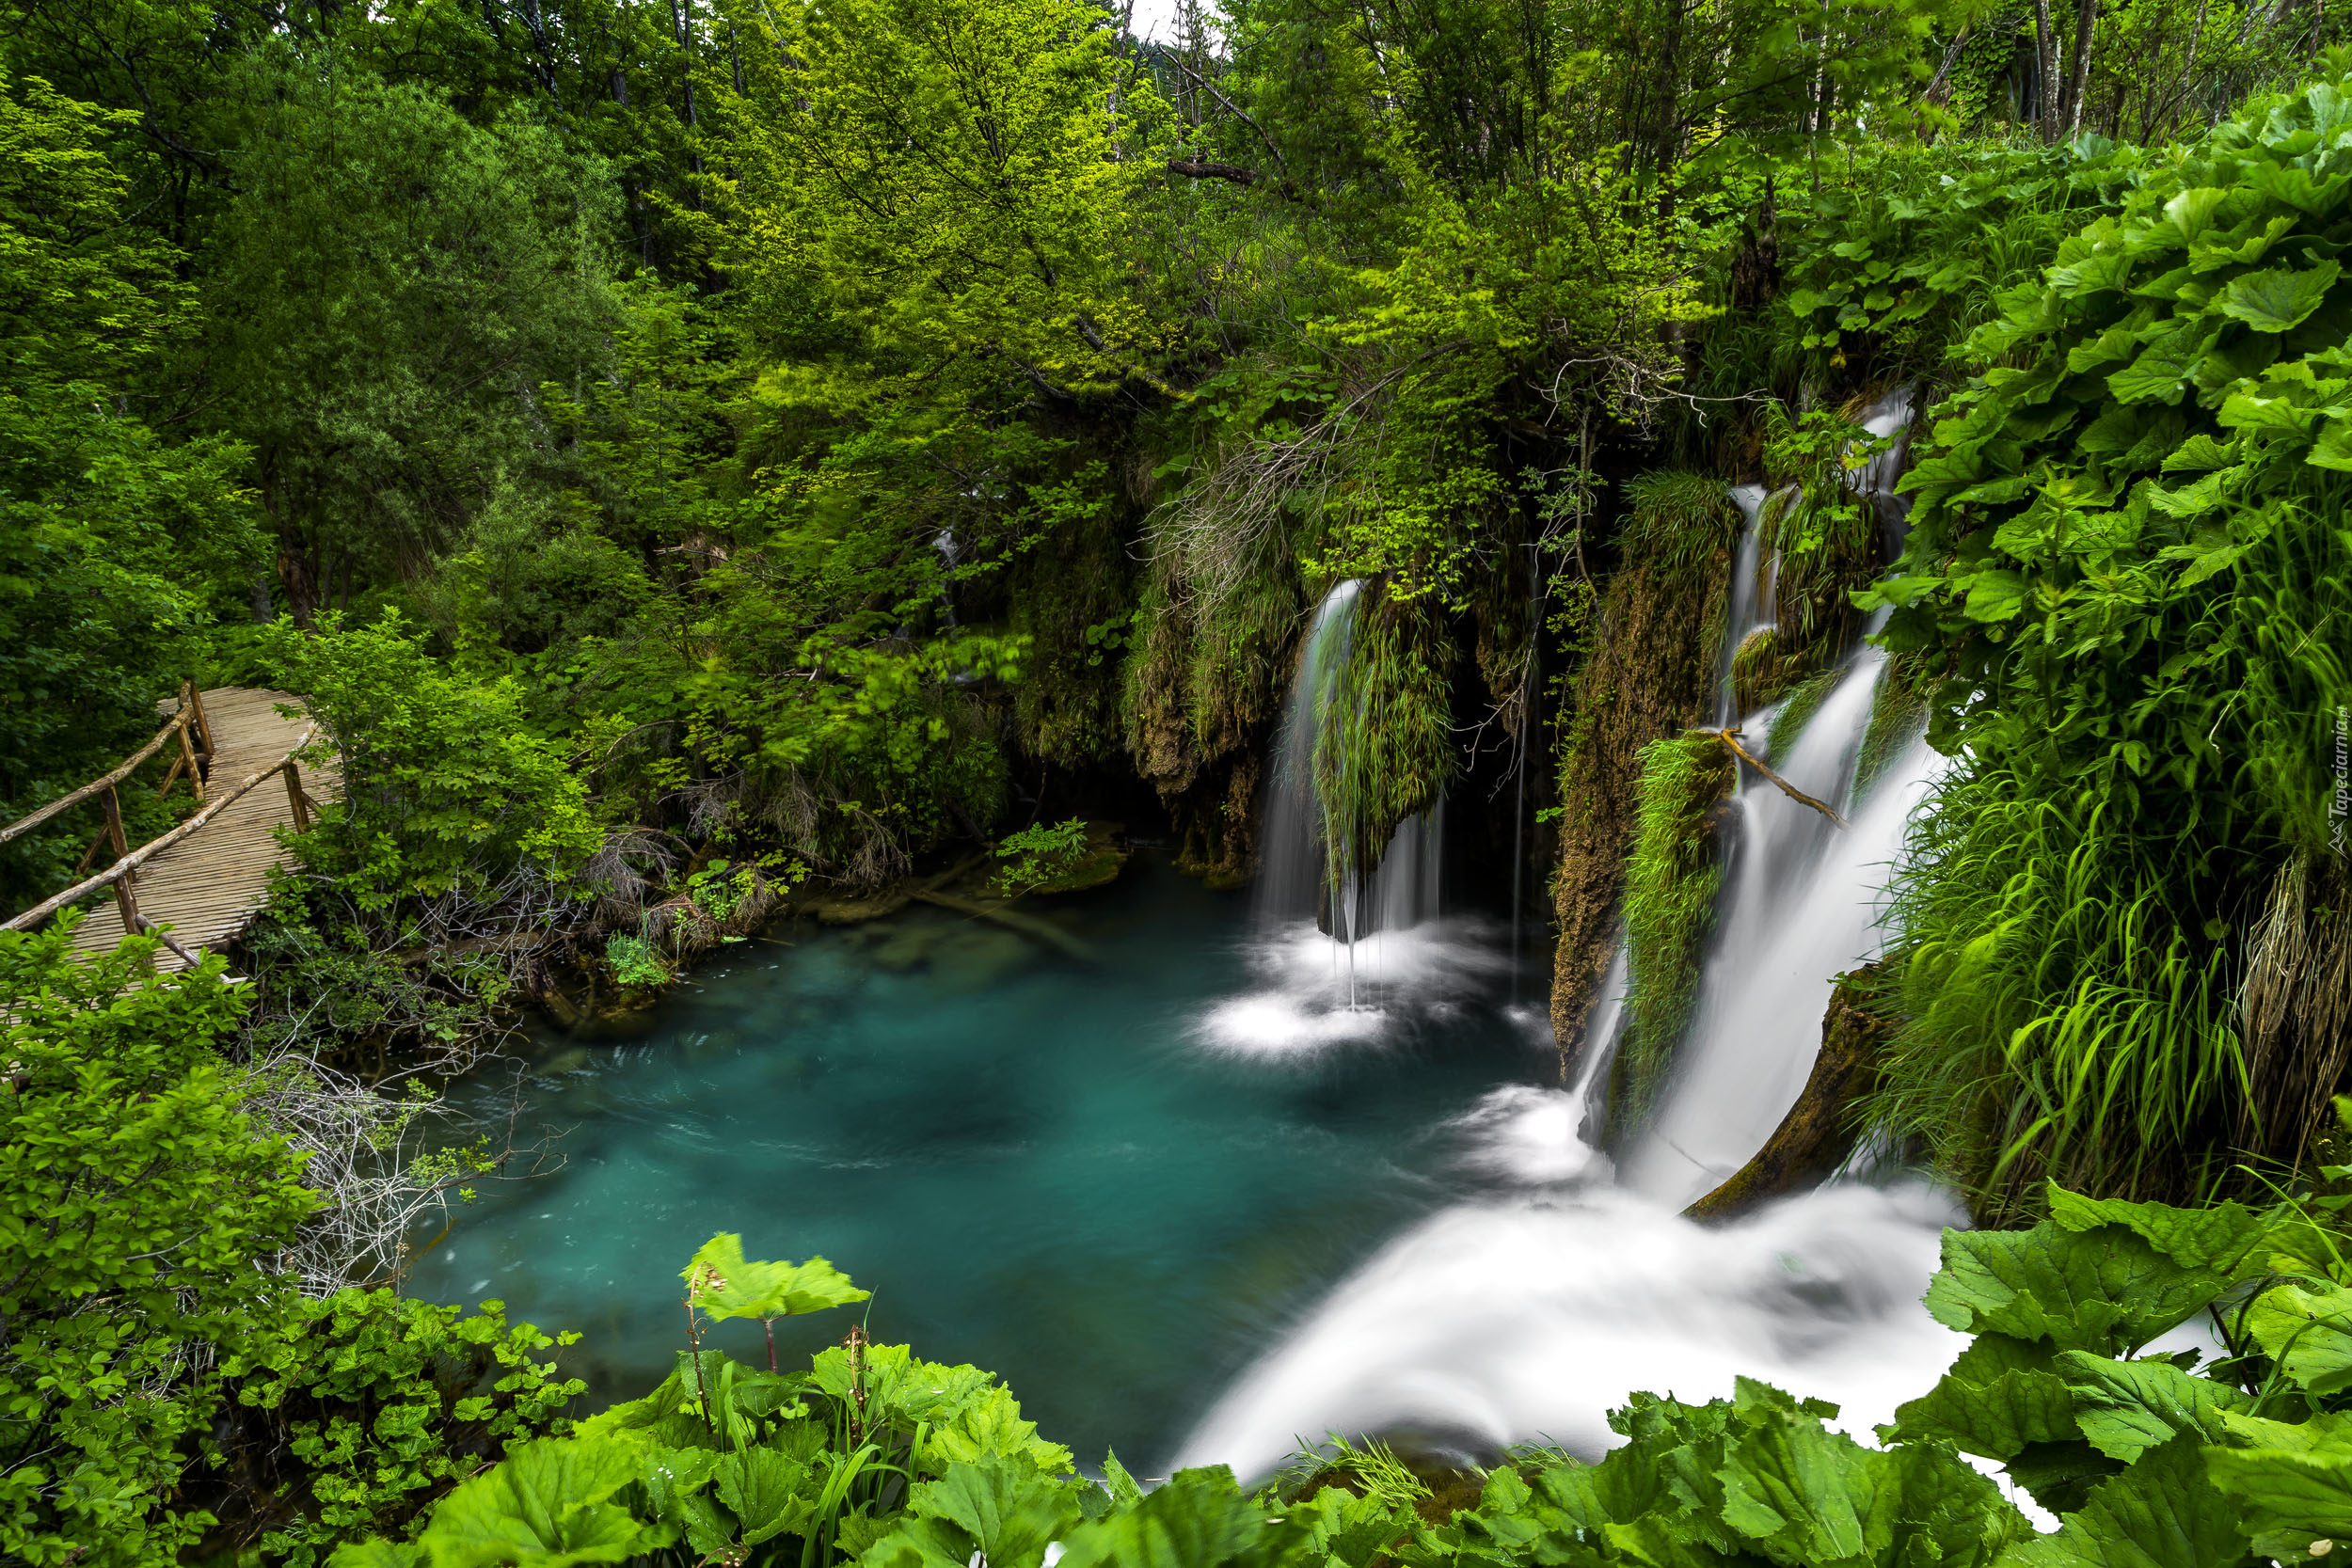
(1802, 907)
(1530, 1318)
(1313, 993)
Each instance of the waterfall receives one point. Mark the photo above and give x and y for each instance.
(1292, 867)
(1342, 959)
(1299, 877)
(1797, 909)
(1531, 1307)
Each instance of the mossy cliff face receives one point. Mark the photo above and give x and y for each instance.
(1671, 881)
(1647, 675)
(1203, 686)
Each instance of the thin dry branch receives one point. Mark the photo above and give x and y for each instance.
(1731, 738)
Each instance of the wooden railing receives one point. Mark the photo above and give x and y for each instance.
(122, 875)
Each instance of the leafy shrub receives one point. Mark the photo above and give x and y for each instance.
(443, 787)
(2127, 560)
(141, 1206)
(1040, 854)
(161, 1384)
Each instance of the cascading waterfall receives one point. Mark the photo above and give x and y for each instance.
(1342, 957)
(1530, 1313)
(1299, 876)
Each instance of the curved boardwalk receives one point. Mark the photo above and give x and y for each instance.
(206, 887)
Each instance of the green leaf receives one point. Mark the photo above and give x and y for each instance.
(2307, 1330)
(377, 1554)
(767, 1492)
(2333, 450)
(2104, 1292)
(1997, 595)
(2288, 1499)
(2126, 1408)
(542, 1507)
(1199, 1519)
(2277, 300)
(2162, 1513)
(2228, 1238)
(726, 1285)
(2198, 454)
(2000, 1397)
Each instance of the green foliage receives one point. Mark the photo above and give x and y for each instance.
(111, 540)
(2122, 554)
(142, 1202)
(371, 1406)
(444, 788)
(385, 292)
(633, 960)
(874, 1456)
(1040, 854)
(723, 1284)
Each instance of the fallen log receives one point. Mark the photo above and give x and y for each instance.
(1044, 932)
(1731, 738)
(1817, 1135)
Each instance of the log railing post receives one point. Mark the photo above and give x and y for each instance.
(295, 799)
(196, 701)
(188, 758)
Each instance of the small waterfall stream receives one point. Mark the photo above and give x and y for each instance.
(1510, 1319)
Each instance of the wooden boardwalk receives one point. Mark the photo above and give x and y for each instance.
(207, 887)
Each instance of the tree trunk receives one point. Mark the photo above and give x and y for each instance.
(2045, 88)
(2079, 77)
(1817, 1133)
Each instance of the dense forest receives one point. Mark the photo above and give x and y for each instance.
(694, 459)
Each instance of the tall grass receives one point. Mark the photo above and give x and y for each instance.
(2064, 1017)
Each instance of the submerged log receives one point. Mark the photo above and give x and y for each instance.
(1816, 1136)
(1044, 932)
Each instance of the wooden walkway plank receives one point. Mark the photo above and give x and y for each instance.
(208, 887)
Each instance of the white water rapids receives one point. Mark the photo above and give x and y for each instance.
(1529, 1314)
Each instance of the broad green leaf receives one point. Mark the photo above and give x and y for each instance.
(2245, 411)
(2162, 1513)
(1006, 1507)
(2306, 1329)
(2154, 376)
(1995, 594)
(2104, 1292)
(2333, 450)
(2288, 1499)
(725, 1284)
(542, 1507)
(1199, 1519)
(767, 1491)
(377, 1554)
(2198, 454)
(2126, 1408)
(2226, 1237)
(2001, 1396)
(2279, 298)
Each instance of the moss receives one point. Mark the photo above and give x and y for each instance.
(1648, 672)
(1070, 597)
(1762, 671)
(1804, 700)
(1671, 881)
(1385, 746)
(1898, 711)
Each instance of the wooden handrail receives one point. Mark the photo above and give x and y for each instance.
(25, 825)
(139, 856)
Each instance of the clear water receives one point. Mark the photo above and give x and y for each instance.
(1116, 1187)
